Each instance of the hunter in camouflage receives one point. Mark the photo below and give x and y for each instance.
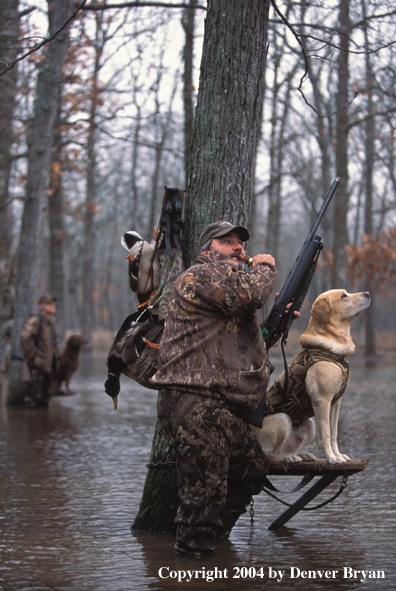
(213, 368)
(39, 340)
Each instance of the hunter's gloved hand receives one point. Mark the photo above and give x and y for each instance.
(112, 385)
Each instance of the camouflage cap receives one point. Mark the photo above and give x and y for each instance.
(46, 299)
(218, 229)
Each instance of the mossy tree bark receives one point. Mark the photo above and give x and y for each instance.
(228, 116)
(160, 501)
(221, 179)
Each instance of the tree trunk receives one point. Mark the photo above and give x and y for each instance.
(40, 142)
(160, 500)
(188, 26)
(273, 215)
(370, 320)
(57, 231)
(163, 124)
(340, 205)
(88, 279)
(323, 127)
(133, 201)
(277, 151)
(227, 125)
(276, 145)
(9, 34)
(222, 181)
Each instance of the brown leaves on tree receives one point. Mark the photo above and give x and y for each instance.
(374, 260)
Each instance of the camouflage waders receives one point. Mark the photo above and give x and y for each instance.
(39, 341)
(38, 389)
(220, 465)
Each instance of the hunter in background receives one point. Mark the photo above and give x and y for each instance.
(39, 340)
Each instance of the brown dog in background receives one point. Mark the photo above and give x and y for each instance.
(67, 364)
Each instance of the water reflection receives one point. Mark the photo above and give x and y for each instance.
(71, 482)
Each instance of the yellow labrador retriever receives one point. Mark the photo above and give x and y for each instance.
(317, 379)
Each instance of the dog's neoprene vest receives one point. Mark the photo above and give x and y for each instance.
(296, 401)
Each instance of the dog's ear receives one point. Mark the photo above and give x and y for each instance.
(321, 309)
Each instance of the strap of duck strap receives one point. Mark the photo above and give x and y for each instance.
(168, 221)
(177, 219)
(40, 330)
(172, 219)
(286, 369)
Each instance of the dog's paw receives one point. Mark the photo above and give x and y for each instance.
(336, 459)
(307, 457)
(291, 458)
(343, 458)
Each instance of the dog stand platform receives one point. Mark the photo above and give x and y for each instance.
(328, 473)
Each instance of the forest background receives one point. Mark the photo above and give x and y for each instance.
(91, 133)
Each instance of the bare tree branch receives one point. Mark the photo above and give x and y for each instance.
(374, 17)
(27, 11)
(297, 37)
(45, 41)
(371, 116)
(138, 4)
(350, 50)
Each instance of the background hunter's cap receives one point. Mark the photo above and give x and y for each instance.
(46, 299)
(218, 229)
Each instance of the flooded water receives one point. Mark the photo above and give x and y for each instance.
(71, 481)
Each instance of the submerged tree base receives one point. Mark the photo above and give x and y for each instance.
(160, 499)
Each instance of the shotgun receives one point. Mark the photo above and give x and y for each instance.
(294, 290)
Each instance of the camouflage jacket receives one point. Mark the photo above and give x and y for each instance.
(212, 343)
(296, 402)
(40, 347)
